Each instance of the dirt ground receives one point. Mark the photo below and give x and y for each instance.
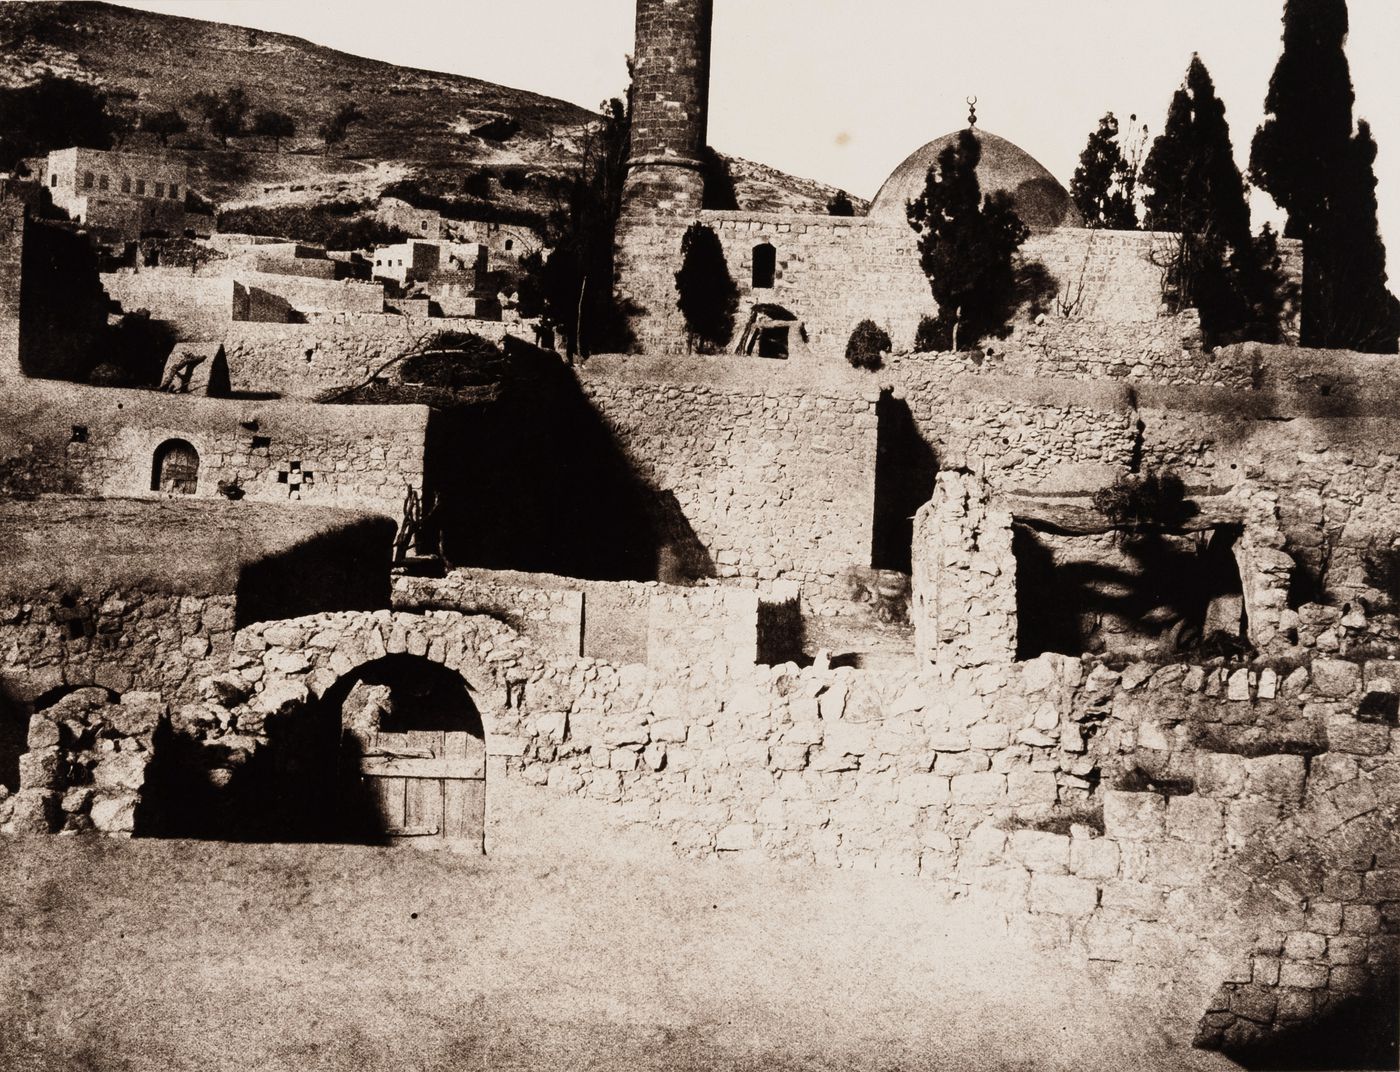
(560, 950)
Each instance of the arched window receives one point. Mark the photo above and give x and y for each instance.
(765, 266)
(175, 469)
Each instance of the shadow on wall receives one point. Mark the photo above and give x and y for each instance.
(1165, 597)
(1359, 1032)
(536, 481)
(345, 569)
(905, 469)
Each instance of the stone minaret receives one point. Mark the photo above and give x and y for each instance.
(671, 100)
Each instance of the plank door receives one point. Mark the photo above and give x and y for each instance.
(430, 787)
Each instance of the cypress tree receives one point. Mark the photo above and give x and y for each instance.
(966, 246)
(706, 294)
(1105, 182)
(1320, 170)
(1196, 190)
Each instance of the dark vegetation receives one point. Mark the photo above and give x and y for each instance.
(53, 113)
(707, 295)
(868, 345)
(1196, 191)
(335, 225)
(1154, 500)
(1105, 183)
(966, 246)
(1320, 168)
(840, 205)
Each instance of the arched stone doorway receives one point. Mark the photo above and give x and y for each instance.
(327, 673)
(175, 468)
(411, 753)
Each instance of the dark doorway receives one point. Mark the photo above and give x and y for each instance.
(773, 342)
(765, 266)
(905, 469)
(175, 468)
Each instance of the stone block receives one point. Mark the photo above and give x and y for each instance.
(1348, 979)
(1032, 787)
(40, 768)
(1294, 1004)
(1361, 919)
(1264, 970)
(1063, 895)
(1137, 900)
(1335, 677)
(1179, 863)
(1134, 816)
(670, 731)
(124, 770)
(1303, 975)
(986, 788)
(1041, 851)
(791, 757)
(1093, 858)
(1255, 1003)
(35, 811)
(1304, 945)
(115, 815)
(1347, 950)
(1278, 778)
(1196, 819)
(737, 837)
(989, 737)
(42, 733)
(1219, 775)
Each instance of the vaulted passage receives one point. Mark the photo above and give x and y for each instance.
(175, 468)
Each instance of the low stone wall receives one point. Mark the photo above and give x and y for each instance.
(623, 622)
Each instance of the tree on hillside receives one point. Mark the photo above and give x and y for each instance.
(1195, 190)
(225, 114)
(164, 124)
(707, 295)
(1105, 183)
(52, 113)
(276, 125)
(966, 246)
(1319, 167)
(334, 130)
(840, 204)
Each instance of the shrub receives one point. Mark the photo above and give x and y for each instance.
(932, 336)
(454, 359)
(840, 205)
(707, 295)
(869, 342)
(1152, 501)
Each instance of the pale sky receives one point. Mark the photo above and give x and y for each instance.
(844, 90)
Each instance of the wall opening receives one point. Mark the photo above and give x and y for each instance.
(175, 468)
(773, 342)
(765, 266)
(905, 470)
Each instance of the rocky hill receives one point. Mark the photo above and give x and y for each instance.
(502, 149)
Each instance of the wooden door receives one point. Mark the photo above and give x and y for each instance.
(430, 787)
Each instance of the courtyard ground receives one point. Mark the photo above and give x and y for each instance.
(571, 947)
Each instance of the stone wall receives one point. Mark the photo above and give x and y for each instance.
(103, 441)
(624, 622)
(772, 469)
(332, 351)
(1105, 289)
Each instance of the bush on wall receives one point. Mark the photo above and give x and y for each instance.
(868, 345)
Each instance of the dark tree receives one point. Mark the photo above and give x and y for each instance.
(1319, 168)
(225, 114)
(1196, 191)
(840, 205)
(708, 296)
(1105, 183)
(966, 246)
(334, 130)
(52, 113)
(164, 124)
(868, 345)
(575, 284)
(275, 125)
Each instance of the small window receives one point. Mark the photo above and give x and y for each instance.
(160, 189)
(262, 442)
(88, 178)
(126, 184)
(80, 433)
(102, 182)
(141, 186)
(765, 266)
(53, 179)
(510, 244)
(174, 191)
(423, 225)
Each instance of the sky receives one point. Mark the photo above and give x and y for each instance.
(843, 90)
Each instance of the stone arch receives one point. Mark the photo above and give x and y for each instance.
(305, 658)
(175, 468)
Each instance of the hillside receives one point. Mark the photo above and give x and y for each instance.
(501, 147)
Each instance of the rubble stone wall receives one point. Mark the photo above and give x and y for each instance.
(103, 441)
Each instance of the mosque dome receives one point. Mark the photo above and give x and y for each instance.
(1041, 202)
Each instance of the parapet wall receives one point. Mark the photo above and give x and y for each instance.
(103, 441)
